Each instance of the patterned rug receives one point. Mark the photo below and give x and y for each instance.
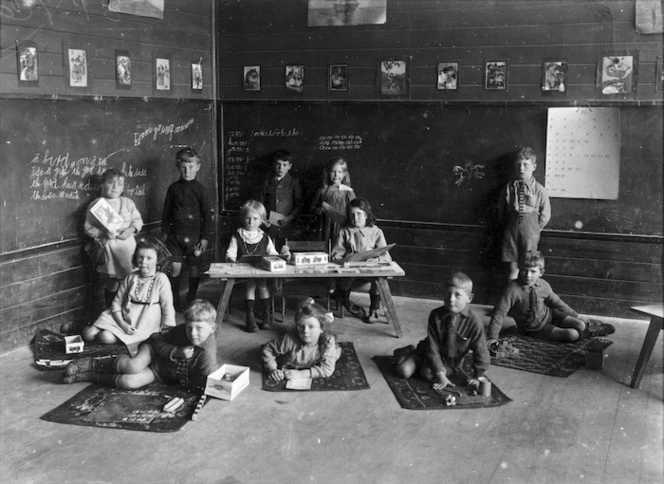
(417, 394)
(101, 406)
(348, 375)
(551, 358)
(49, 350)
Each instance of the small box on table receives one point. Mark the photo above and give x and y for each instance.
(227, 382)
(309, 258)
(273, 263)
(74, 344)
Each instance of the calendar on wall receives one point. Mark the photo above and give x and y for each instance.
(583, 153)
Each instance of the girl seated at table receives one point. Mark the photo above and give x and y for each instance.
(308, 351)
(359, 235)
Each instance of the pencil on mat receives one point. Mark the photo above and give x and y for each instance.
(199, 405)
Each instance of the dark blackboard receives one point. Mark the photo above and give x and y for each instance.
(435, 163)
(53, 152)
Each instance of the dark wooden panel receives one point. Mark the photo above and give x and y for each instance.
(42, 287)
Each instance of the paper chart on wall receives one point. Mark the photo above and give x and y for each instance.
(583, 153)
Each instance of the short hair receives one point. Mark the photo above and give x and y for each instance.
(308, 308)
(526, 153)
(532, 258)
(284, 155)
(253, 206)
(461, 280)
(187, 154)
(112, 174)
(143, 244)
(362, 204)
(336, 161)
(200, 310)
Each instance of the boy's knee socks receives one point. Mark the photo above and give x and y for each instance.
(193, 289)
(175, 288)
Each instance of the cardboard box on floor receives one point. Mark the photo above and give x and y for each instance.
(227, 382)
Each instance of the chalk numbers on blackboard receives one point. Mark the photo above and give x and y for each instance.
(237, 157)
(339, 142)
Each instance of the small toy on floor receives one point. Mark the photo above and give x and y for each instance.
(503, 349)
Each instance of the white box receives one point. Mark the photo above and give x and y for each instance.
(309, 258)
(273, 263)
(74, 344)
(219, 385)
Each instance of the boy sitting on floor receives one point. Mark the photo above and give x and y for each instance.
(538, 311)
(453, 331)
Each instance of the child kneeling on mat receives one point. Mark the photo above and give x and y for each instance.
(453, 331)
(310, 351)
(185, 354)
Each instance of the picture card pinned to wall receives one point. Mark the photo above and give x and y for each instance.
(197, 76)
(448, 76)
(295, 78)
(122, 69)
(340, 13)
(77, 68)
(162, 73)
(338, 78)
(393, 77)
(27, 64)
(617, 74)
(251, 78)
(495, 75)
(554, 76)
(143, 8)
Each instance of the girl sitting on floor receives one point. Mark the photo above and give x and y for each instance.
(309, 351)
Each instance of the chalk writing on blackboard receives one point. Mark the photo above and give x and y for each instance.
(339, 142)
(158, 130)
(583, 153)
(237, 158)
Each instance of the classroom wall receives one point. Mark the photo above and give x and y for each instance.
(50, 123)
(602, 269)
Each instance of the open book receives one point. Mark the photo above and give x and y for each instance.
(369, 254)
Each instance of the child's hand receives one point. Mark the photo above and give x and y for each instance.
(126, 233)
(184, 352)
(286, 251)
(126, 327)
(474, 385)
(285, 221)
(490, 343)
(276, 375)
(442, 381)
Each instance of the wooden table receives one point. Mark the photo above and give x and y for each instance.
(380, 271)
(656, 313)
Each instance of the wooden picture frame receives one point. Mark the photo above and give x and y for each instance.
(447, 76)
(162, 73)
(294, 78)
(77, 68)
(393, 77)
(251, 78)
(197, 76)
(495, 75)
(554, 77)
(338, 78)
(617, 73)
(123, 77)
(27, 63)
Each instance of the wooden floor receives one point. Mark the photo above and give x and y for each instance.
(591, 427)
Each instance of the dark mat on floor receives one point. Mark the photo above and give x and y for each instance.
(418, 394)
(348, 375)
(551, 358)
(101, 406)
(49, 350)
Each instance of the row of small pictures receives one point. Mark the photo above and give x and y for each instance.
(77, 66)
(616, 75)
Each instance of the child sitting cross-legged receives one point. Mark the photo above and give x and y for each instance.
(538, 311)
(310, 351)
(185, 354)
(453, 331)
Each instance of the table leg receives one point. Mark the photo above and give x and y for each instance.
(390, 309)
(646, 350)
(223, 301)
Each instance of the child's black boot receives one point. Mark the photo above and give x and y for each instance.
(175, 288)
(251, 319)
(353, 309)
(268, 319)
(193, 289)
(372, 317)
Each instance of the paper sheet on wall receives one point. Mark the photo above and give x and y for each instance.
(583, 153)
